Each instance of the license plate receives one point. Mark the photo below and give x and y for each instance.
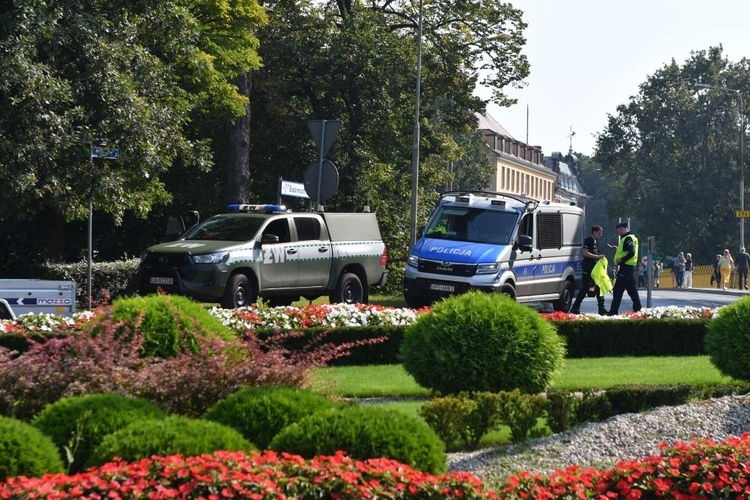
(158, 280)
(438, 287)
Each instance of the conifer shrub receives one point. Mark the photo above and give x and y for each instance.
(482, 342)
(77, 424)
(259, 413)
(169, 323)
(365, 432)
(728, 340)
(170, 436)
(26, 451)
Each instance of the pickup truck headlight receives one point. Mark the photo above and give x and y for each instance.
(412, 261)
(487, 268)
(211, 258)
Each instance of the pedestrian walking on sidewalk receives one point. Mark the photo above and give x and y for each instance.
(742, 261)
(689, 265)
(626, 258)
(726, 264)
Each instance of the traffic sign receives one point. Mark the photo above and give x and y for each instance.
(100, 152)
(742, 214)
(323, 133)
(321, 184)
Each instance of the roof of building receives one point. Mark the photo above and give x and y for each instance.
(486, 122)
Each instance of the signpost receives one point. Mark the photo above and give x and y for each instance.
(742, 214)
(323, 133)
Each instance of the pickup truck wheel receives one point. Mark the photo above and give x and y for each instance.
(566, 298)
(238, 293)
(349, 290)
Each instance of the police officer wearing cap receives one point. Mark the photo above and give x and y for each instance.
(626, 257)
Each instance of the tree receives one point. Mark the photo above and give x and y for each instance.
(673, 154)
(132, 73)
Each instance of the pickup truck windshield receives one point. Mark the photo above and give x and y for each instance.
(477, 225)
(226, 228)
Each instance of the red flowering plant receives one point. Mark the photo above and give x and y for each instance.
(684, 471)
(266, 475)
(668, 312)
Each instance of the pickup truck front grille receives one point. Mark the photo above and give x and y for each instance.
(160, 262)
(446, 267)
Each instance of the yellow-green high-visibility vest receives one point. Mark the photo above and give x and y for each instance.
(620, 253)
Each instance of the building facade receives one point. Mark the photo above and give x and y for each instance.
(524, 170)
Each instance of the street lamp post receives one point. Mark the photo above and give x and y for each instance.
(742, 153)
(415, 145)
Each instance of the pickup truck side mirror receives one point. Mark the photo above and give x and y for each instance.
(269, 238)
(524, 243)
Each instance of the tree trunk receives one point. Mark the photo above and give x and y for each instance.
(238, 165)
(52, 223)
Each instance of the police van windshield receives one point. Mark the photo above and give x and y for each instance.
(473, 224)
(226, 228)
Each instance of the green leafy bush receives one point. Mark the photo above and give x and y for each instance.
(561, 407)
(365, 432)
(259, 413)
(480, 342)
(170, 436)
(26, 451)
(521, 412)
(77, 424)
(447, 416)
(170, 323)
(728, 340)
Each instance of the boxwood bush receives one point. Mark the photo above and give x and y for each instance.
(170, 436)
(259, 413)
(365, 432)
(728, 340)
(482, 342)
(77, 424)
(170, 323)
(26, 451)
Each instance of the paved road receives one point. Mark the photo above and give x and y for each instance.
(709, 297)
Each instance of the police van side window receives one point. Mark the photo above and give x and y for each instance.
(550, 230)
(279, 227)
(308, 228)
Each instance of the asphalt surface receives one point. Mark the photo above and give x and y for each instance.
(661, 297)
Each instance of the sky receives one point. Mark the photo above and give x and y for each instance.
(589, 56)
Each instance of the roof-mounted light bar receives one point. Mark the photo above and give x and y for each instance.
(266, 209)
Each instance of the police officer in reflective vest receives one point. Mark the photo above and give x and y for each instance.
(626, 257)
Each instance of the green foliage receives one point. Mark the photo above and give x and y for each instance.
(466, 417)
(170, 436)
(482, 342)
(561, 409)
(170, 323)
(365, 432)
(77, 424)
(728, 340)
(520, 412)
(109, 280)
(26, 451)
(259, 413)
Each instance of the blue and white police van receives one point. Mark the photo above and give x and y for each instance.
(497, 242)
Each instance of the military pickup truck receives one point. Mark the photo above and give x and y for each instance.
(266, 251)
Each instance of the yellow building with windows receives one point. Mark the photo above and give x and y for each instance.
(524, 170)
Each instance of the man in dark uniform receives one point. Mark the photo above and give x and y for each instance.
(590, 257)
(626, 258)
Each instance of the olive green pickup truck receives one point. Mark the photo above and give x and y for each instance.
(266, 251)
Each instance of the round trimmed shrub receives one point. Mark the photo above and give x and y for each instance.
(727, 341)
(259, 413)
(79, 423)
(26, 451)
(482, 342)
(170, 323)
(170, 436)
(365, 432)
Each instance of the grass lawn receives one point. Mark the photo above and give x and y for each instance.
(577, 374)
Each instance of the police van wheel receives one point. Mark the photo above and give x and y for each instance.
(509, 290)
(566, 298)
(238, 293)
(416, 301)
(349, 290)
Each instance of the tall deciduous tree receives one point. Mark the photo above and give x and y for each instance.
(674, 154)
(132, 73)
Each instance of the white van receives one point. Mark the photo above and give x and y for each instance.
(497, 242)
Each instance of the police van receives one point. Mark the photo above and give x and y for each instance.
(497, 242)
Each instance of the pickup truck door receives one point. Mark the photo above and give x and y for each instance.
(314, 254)
(279, 261)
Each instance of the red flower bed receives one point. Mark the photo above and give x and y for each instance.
(254, 476)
